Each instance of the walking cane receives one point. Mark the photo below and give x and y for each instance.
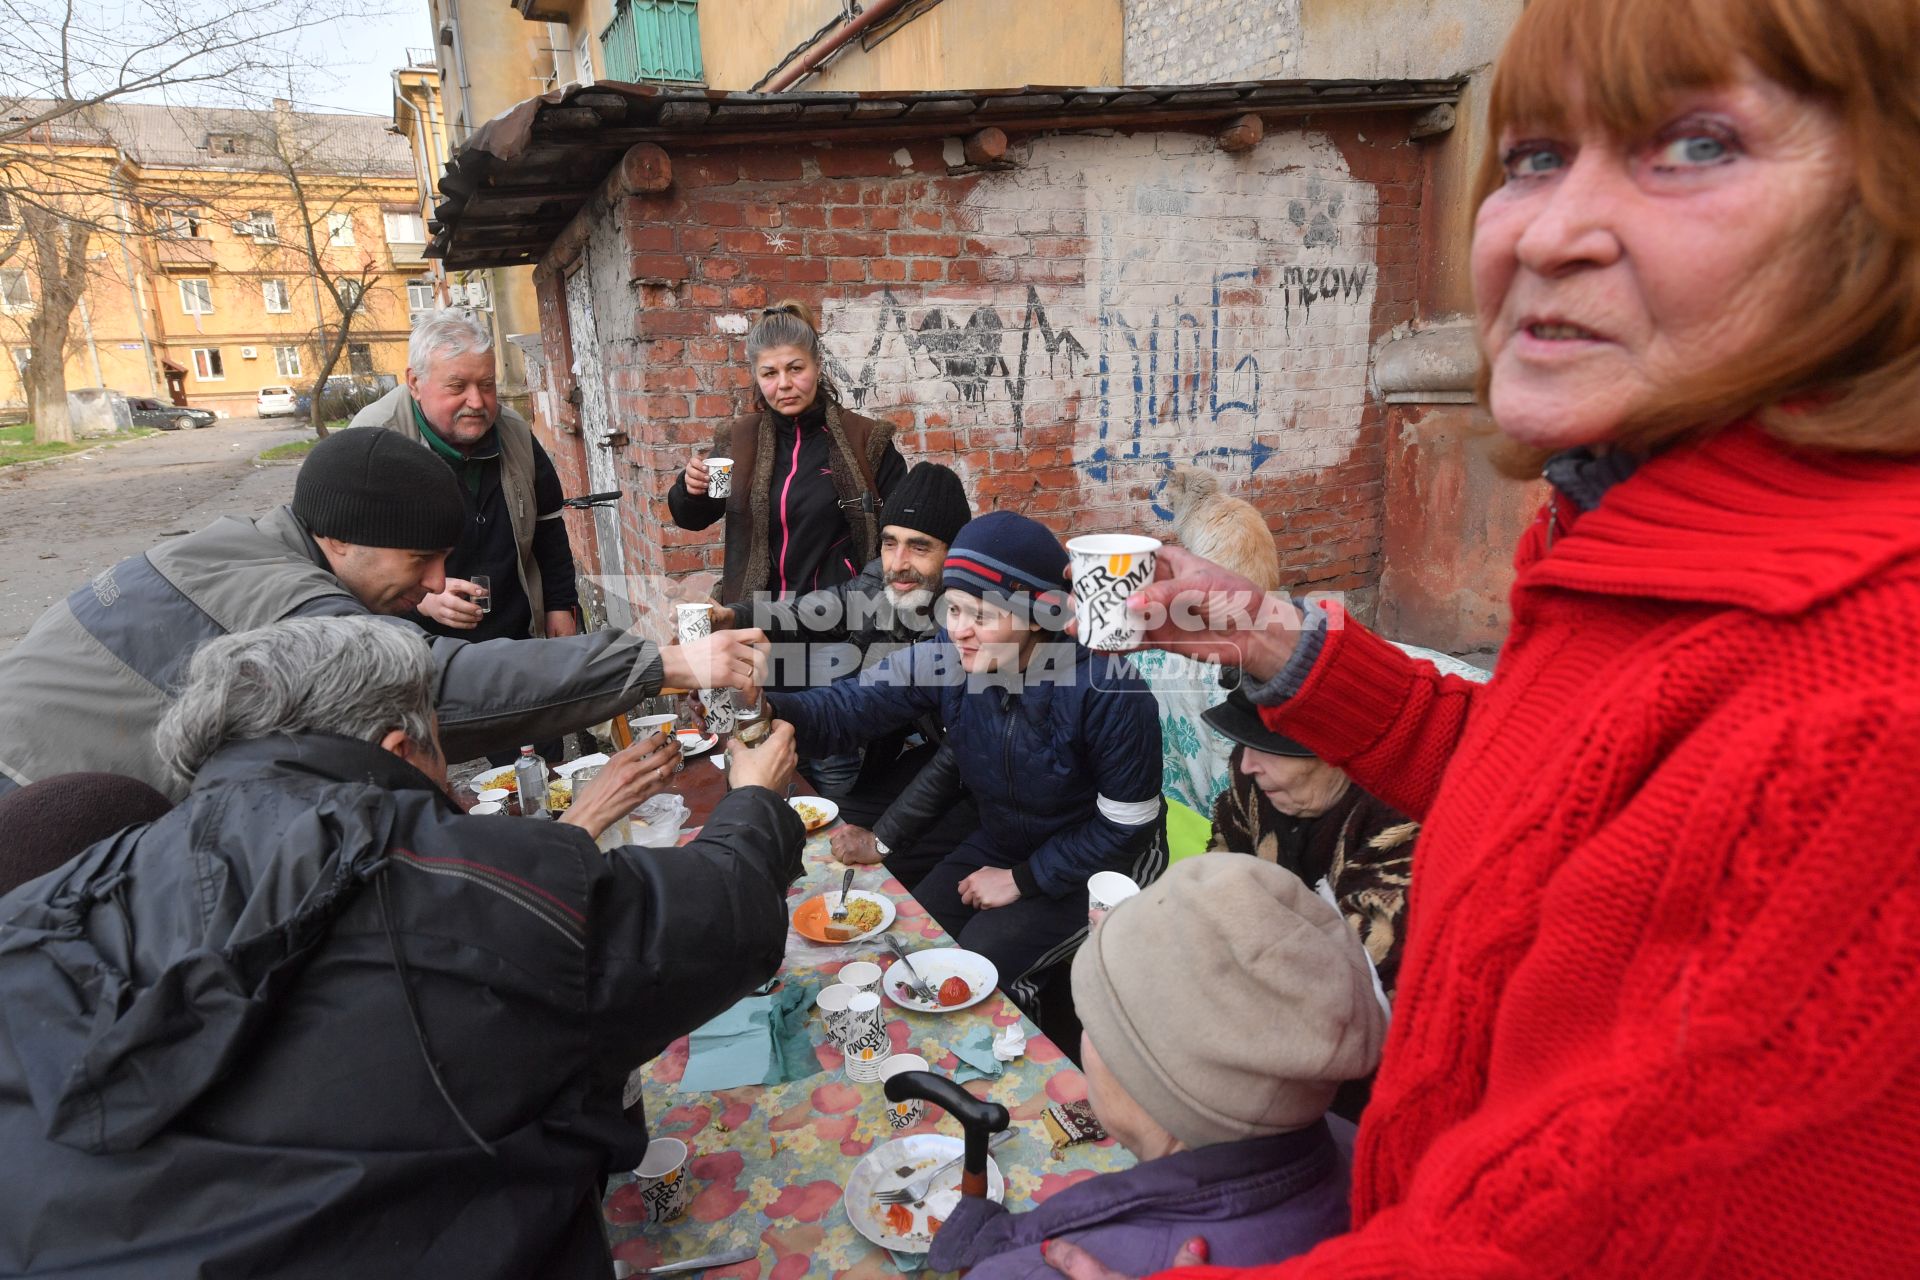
(979, 1121)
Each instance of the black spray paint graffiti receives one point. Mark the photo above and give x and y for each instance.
(970, 356)
(1308, 285)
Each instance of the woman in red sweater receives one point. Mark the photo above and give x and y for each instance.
(1659, 1012)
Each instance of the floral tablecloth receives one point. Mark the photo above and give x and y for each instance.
(769, 1162)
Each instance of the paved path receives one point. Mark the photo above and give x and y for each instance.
(64, 521)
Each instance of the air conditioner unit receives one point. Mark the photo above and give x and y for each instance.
(249, 353)
(456, 295)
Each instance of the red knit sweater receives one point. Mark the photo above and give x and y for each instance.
(1659, 1014)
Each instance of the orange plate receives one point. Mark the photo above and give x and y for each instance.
(810, 921)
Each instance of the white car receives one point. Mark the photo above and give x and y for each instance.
(276, 402)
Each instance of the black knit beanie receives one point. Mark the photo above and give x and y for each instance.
(931, 500)
(376, 488)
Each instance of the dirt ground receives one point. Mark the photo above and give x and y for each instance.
(63, 521)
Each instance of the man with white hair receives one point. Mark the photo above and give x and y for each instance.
(316, 1021)
(514, 536)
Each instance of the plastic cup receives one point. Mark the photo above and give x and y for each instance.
(1107, 568)
(494, 795)
(862, 975)
(901, 1115)
(692, 621)
(665, 1187)
(1107, 890)
(719, 477)
(832, 1004)
(487, 809)
(868, 1046)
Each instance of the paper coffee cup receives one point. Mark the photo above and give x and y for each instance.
(719, 704)
(1107, 568)
(901, 1115)
(861, 975)
(692, 621)
(661, 725)
(868, 1045)
(832, 1003)
(494, 795)
(719, 477)
(665, 1187)
(1107, 890)
(487, 808)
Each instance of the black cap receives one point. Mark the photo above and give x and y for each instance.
(376, 488)
(930, 500)
(1238, 720)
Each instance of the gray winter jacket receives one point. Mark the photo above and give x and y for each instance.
(316, 1022)
(85, 688)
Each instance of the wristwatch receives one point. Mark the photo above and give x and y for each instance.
(880, 847)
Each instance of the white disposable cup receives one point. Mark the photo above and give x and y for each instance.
(868, 1045)
(862, 975)
(719, 704)
(692, 621)
(832, 1003)
(1107, 568)
(494, 795)
(661, 725)
(487, 808)
(1107, 890)
(665, 1186)
(719, 477)
(901, 1115)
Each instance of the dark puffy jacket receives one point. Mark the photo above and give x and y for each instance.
(217, 1027)
(1063, 760)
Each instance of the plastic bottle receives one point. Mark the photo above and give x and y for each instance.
(530, 777)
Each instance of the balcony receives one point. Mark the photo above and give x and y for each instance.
(653, 40)
(182, 253)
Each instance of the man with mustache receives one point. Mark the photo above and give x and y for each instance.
(889, 606)
(514, 536)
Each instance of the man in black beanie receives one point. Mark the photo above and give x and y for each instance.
(372, 518)
(889, 606)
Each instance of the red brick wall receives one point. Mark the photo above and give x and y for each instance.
(1062, 332)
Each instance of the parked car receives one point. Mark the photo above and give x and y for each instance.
(277, 402)
(148, 412)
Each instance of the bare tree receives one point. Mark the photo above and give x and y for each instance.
(64, 66)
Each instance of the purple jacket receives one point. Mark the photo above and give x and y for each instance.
(1258, 1201)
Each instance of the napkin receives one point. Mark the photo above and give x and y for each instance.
(976, 1057)
(908, 1263)
(760, 1040)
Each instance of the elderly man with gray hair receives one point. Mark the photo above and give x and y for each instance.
(514, 540)
(316, 1021)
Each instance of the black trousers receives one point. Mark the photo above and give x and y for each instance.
(1015, 937)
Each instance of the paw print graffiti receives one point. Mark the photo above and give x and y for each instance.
(1317, 216)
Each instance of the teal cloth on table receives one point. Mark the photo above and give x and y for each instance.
(760, 1040)
(908, 1263)
(976, 1057)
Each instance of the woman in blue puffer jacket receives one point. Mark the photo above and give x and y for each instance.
(1059, 745)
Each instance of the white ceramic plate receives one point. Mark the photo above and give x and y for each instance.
(490, 779)
(881, 1168)
(935, 966)
(828, 901)
(819, 804)
(692, 744)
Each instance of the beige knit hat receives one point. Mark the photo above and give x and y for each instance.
(1229, 999)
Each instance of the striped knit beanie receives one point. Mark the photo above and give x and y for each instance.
(1012, 561)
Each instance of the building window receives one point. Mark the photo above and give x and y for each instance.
(178, 224)
(223, 144)
(583, 58)
(286, 361)
(360, 359)
(339, 229)
(196, 297)
(16, 294)
(274, 293)
(406, 228)
(207, 366)
(653, 40)
(259, 224)
(351, 291)
(420, 299)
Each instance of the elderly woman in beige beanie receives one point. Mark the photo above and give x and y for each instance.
(1224, 1004)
